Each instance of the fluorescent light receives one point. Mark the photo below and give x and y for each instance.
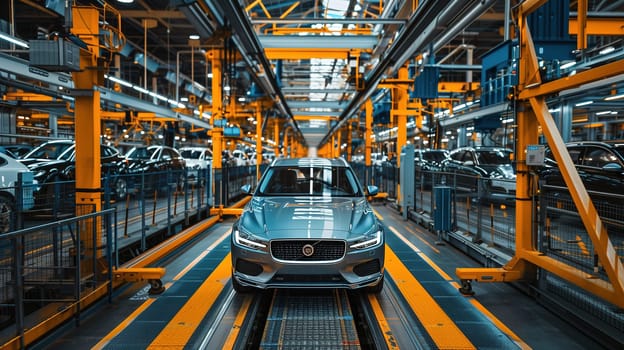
(603, 112)
(583, 103)
(607, 50)
(568, 65)
(614, 97)
(13, 40)
(118, 81)
(140, 89)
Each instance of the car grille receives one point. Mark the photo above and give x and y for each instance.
(292, 250)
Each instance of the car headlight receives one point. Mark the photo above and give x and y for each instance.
(368, 241)
(248, 240)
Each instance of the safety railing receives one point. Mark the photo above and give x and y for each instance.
(483, 216)
(49, 268)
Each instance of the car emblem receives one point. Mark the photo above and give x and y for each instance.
(307, 250)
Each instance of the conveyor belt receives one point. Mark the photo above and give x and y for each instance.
(310, 320)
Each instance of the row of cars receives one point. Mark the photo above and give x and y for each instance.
(491, 170)
(47, 173)
(482, 170)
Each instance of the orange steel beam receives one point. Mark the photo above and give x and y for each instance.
(314, 117)
(26, 96)
(597, 26)
(535, 111)
(288, 30)
(459, 87)
(302, 53)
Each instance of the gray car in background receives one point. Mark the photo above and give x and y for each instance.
(308, 225)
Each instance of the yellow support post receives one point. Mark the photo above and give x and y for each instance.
(88, 130)
(258, 139)
(349, 141)
(276, 137)
(217, 106)
(368, 133)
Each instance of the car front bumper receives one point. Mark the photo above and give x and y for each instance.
(356, 269)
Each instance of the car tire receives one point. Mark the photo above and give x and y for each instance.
(7, 213)
(376, 289)
(240, 288)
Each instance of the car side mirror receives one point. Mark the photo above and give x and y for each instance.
(372, 190)
(246, 189)
(469, 163)
(612, 167)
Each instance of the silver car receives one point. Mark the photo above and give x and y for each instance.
(11, 173)
(308, 225)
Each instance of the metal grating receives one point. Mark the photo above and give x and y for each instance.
(307, 321)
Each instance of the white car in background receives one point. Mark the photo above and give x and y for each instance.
(10, 170)
(198, 160)
(240, 158)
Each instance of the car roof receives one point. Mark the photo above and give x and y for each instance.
(310, 162)
(483, 148)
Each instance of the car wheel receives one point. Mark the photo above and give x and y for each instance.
(121, 189)
(7, 214)
(240, 288)
(376, 289)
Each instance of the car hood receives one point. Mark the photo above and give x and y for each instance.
(36, 164)
(308, 217)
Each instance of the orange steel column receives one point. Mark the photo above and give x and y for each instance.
(368, 133)
(217, 107)
(88, 129)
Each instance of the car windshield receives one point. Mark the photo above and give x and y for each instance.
(140, 153)
(434, 156)
(493, 157)
(309, 181)
(50, 151)
(190, 154)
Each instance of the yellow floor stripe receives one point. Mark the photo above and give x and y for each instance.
(201, 256)
(122, 325)
(421, 254)
(500, 325)
(180, 329)
(391, 342)
(443, 331)
(238, 323)
(436, 250)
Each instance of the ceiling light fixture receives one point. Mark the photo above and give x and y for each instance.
(583, 103)
(14, 40)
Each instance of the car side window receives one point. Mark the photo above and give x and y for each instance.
(457, 156)
(167, 154)
(575, 154)
(597, 157)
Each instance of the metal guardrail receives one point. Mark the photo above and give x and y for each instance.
(485, 221)
(51, 267)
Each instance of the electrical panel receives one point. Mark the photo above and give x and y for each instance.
(55, 55)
